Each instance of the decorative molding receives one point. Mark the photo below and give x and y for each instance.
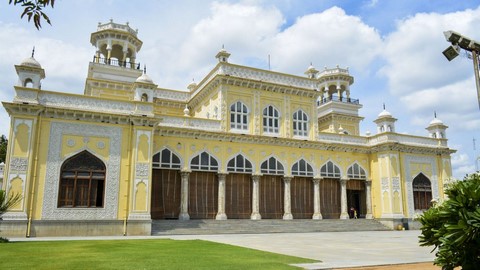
(18, 165)
(396, 184)
(408, 159)
(50, 211)
(385, 184)
(142, 169)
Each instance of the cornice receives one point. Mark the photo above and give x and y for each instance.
(253, 139)
(331, 116)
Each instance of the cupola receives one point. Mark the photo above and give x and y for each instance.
(385, 121)
(222, 55)
(30, 72)
(311, 72)
(144, 87)
(436, 128)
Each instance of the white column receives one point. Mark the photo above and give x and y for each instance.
(368, 185)
(287, 203)
(184, 196)
(343, 196)
(316, 199)
(221, 197)
(255, 198)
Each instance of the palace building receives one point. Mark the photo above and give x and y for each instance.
(242, 143)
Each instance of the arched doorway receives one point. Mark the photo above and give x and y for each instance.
(82, 182)
(166, 185)
(203, 187)
(271, 189)
(356, 195)
(238, 188)
(422, 192)
(302, 190)
(330, 193)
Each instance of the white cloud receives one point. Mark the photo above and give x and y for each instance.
(327, 38)
(462, 165)
(413, 52)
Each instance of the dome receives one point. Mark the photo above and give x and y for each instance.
(144, 79)
(384, 113)
(436, 121)
(30, 62)
(191, 86)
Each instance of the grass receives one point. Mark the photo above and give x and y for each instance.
(138, 254)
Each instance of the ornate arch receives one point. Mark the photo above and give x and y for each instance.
(166, 158)
(330, 170)
(240, 163)
(302, 168)
(204, 162)
(272, 166)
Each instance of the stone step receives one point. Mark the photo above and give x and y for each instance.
(231, 226)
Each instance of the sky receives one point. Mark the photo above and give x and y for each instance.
(392, 48)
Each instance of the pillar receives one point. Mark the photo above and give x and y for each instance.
(287, 202)
(368, 185)
(343, 196)
(221, 197)
(316, 199)
(184, 196)
(255, 198)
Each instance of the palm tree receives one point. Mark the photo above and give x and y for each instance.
(6, 202)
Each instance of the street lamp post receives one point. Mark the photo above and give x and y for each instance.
(461, 42)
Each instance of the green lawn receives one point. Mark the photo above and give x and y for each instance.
(138, 254)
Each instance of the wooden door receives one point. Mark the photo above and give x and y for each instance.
(330, 198)
(238, 196)
(203, 195)
(166, 190)
(356, 197)
(271, 197)
(302, 197)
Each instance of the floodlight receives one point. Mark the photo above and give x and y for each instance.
(452, 36)
(464, 43)
(451, 52)
(474, 45)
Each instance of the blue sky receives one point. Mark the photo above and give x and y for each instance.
(392, 48)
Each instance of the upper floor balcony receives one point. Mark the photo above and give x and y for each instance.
(115, 62)
(342, 99)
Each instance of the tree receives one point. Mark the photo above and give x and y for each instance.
(453, 226)
(34, 10)
(3, 148)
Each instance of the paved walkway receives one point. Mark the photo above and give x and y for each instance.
(333, 249)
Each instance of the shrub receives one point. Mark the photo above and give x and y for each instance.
(453, 226)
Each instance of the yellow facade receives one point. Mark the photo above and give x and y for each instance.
(101, 157)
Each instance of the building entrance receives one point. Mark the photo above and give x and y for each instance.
(302, 197)
(238, 196)
(356, 198)
(166, 189)
(203, 195)
(271, 197)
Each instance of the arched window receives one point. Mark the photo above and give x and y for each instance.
(82, 181)
(204, 162)
(144, 97)
(270, 120)
(302, 168)
(239, 116)
(28, 83)
(356, 172)
(422, 192)
(330, 170)
(272, 166)
(166, 159)
(239, 164)
(300, 123)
